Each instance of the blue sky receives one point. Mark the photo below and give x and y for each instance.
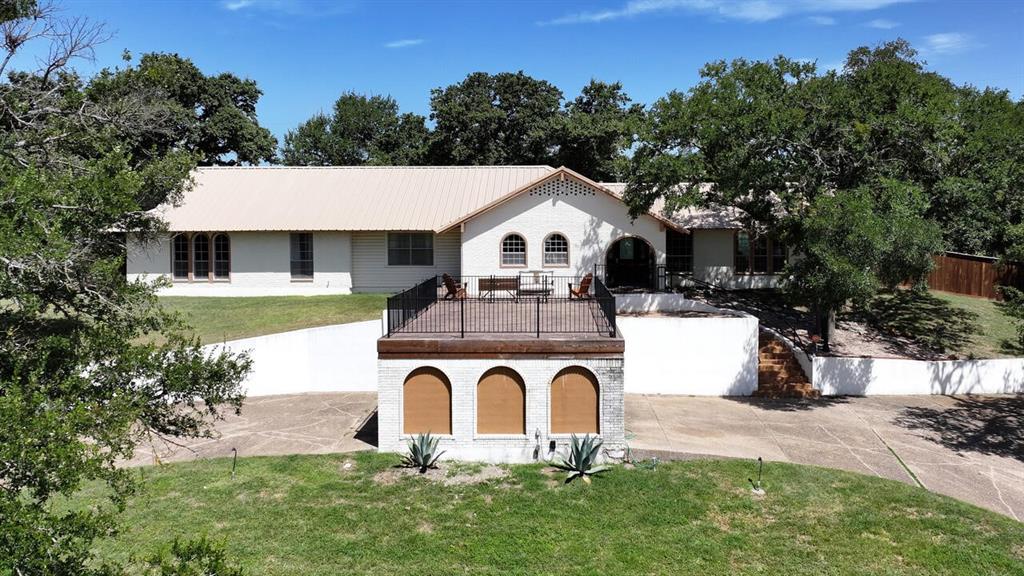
(304, 53)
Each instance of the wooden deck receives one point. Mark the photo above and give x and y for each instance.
(504, 327)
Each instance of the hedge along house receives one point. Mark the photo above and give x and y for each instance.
(253, 231)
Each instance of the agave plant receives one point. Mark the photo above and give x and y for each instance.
(582, 457)
(423, 453)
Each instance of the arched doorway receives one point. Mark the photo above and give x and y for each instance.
(630, 263)
(575, 395)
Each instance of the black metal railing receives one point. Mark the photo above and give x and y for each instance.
(407, 305)
(517, 303)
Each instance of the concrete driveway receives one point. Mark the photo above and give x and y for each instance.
(970, 448)
(279, 425)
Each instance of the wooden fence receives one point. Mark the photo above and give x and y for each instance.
(974, 275)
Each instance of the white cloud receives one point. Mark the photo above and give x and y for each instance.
(882, 24)
(303, 8)
(404, 43)
(948, 43)
(746, 10)
(822, 20)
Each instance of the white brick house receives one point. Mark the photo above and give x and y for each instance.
(303, 231)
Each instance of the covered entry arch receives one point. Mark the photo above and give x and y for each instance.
(630, 262)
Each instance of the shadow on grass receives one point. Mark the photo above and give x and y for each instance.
(1014, 311)
(989, 425)
(921, 324)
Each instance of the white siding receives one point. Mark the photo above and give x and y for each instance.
(260, 266)
(371, 272)
(590, 220)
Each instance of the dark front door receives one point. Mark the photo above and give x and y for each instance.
(630, 264)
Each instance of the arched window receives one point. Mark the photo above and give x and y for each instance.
(179, 256)
(501, 402)
(427, 402)
(513, 251)
(556, 250)
(221, 257)
(574, 402)
(200, 257)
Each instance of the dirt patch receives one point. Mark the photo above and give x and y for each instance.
(454, 474)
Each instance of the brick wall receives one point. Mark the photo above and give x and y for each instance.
(464, 443)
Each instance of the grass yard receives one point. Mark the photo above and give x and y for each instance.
(306, 515)
(220, 319)
(941, 323)
(997, 335)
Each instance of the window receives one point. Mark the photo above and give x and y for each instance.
(678, 252)
(180, 259)
(760, 255)
(778, 257)
(410, 249)
(427, 402)
(556, 250)
(221, 257)
(302, 256)
(200, 257)
(513, 251)
(574, 402)
(501, 402)
(760, 259)
(191, 257)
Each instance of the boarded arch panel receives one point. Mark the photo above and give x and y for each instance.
(427, 402)
(574, 397)
(501, 402)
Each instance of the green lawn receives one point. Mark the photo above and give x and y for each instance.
(943, 323)
(306, 515)
(220, 319)
(997, 335)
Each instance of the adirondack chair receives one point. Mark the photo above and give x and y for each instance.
(584, 290)
(455, 290)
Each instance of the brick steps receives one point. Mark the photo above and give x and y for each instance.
(779, 374)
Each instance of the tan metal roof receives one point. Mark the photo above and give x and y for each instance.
(342, 198)
(692, 218)
(437, 198)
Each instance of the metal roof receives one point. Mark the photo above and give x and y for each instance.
(341, 198)
(234, 199)
(691, 217)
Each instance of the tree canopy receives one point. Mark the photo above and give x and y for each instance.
(212, 116)
(360, 130)
(486, 119)
(884, 139)
(90, 364)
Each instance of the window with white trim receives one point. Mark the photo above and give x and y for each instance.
(513, 250)
(556, 250)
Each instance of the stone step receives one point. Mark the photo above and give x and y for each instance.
(779, 375)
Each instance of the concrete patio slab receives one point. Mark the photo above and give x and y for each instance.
(279, 425)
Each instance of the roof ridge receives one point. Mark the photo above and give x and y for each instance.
(379, 167)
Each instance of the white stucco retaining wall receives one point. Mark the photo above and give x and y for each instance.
(339, 358)
(698, 356)
(889, 376)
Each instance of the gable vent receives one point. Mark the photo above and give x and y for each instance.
(562, 188)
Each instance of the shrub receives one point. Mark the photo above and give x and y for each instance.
(582, 459)
(423, 453)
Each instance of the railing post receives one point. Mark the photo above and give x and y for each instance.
(462, 317)
(538, 316)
